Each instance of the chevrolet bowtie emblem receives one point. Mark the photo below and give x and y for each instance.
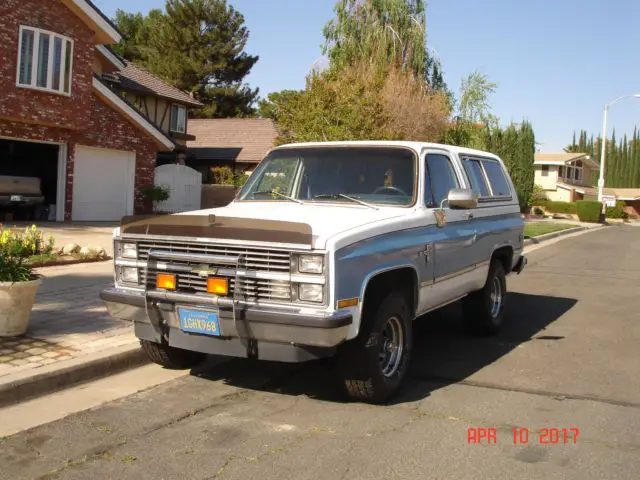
(204, 270)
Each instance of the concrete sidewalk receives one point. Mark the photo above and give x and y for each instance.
(69, 325)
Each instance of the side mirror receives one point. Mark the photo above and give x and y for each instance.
(462, 198)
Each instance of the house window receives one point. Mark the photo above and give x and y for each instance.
(44, 60)
(545, 170)
(178, 118)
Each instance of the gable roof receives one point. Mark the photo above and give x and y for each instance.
(136, 79)
(106, 31)
(249, 138)
(562, 158)
(135, 116)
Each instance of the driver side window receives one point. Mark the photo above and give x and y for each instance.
(440, 177)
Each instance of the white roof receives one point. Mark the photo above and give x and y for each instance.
(394, 143)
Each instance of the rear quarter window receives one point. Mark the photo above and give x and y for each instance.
(497, 178)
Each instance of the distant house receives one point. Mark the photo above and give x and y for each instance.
(237, 143)
(564, 176)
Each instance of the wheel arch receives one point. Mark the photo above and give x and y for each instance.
(386, 280)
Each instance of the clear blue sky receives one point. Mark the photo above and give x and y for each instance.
(556, 62)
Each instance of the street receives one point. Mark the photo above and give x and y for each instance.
(568, 360)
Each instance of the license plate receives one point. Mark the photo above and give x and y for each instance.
(199, 321)
(17, 198)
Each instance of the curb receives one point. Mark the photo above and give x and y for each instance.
(55, 377)
(549, 236)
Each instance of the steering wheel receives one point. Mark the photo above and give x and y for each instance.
(397, 190)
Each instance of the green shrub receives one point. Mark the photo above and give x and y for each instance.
(618, 211)
(561, 207)
(538, 211)
(225, 176)
(538, 196)
(156, 193)
(588, 210)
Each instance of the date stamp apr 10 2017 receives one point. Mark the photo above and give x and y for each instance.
(524, 436)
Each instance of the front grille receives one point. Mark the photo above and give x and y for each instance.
(255, 259)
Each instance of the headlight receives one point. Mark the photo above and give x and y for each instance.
(128, 250)
(129, 274)
(311, 293)
(310, 263)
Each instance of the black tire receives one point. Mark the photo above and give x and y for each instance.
(482, 315)
(171, 357)
(360, 360)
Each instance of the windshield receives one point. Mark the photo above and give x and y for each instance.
(375, 175)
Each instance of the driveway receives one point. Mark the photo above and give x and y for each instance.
(566, 369)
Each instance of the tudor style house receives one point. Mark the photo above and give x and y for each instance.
(75, 118)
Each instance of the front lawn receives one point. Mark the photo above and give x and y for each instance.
(535, 229)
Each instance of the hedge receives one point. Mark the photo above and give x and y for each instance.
(561, 207)
(618, 211)
(588, 210)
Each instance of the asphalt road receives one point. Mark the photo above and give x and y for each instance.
(568, 360)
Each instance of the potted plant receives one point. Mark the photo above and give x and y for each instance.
(156, 194)
(18, 283)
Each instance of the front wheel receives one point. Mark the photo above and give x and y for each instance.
(374, 365)
(171, 357)
(484, 310)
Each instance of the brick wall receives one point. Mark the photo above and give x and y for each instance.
(104, 127)
(33, 105)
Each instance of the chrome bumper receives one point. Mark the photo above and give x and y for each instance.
(269, 333)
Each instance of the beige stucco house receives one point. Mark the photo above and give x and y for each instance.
(564, 176)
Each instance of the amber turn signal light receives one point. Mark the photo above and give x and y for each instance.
(219, 286)
(166, 281)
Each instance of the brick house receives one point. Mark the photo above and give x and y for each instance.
(60, 121)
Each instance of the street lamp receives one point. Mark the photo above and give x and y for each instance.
(604, 145)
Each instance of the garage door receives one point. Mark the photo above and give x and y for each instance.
(103, 183)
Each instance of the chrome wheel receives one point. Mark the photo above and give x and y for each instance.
(496, 297)
(392, 348)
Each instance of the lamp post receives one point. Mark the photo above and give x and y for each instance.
(604, 145)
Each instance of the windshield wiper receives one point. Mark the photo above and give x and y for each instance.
(342, 195)
(273, 192)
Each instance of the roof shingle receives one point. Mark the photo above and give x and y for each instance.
(138, 79)
(254, 137)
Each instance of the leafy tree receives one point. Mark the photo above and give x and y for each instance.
(387, 31)
(475, 91)
(197, 46)
(271, 106)
(362, 101)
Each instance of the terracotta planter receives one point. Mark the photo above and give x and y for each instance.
(16, 302)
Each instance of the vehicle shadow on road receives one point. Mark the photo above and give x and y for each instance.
(444, 353)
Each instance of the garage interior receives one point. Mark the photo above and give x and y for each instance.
(28, 159)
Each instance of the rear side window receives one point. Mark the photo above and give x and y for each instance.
(476, 177)
(497, 179)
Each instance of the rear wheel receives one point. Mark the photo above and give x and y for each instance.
(374, 365)
(484, 310)
(171, 357)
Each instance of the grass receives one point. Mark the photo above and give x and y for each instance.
(535, 229)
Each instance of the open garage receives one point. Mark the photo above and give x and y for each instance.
(29, 173)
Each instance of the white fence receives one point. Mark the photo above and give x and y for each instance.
(185, 185)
